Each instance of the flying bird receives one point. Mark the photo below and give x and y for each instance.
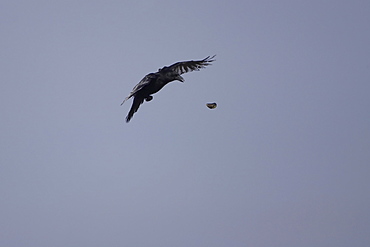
(154, 82)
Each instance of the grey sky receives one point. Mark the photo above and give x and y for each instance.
(282, 161)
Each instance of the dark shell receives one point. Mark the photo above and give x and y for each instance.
(211, 105)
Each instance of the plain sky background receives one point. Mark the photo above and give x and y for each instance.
(283, 161)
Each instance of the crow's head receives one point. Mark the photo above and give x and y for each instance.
(170, 75)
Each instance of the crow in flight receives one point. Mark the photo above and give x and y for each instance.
(154, 82)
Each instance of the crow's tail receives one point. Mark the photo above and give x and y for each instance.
(135, 106)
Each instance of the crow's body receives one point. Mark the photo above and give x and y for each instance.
(154, 82)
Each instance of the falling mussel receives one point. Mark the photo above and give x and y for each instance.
(211, 105)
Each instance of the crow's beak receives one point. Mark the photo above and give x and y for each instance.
(179, 78)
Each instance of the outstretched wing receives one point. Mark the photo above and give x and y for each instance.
(187, 66)
(145, 81)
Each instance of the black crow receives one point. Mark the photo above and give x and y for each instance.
(154, 82)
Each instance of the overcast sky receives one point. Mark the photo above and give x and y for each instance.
(284, 160)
